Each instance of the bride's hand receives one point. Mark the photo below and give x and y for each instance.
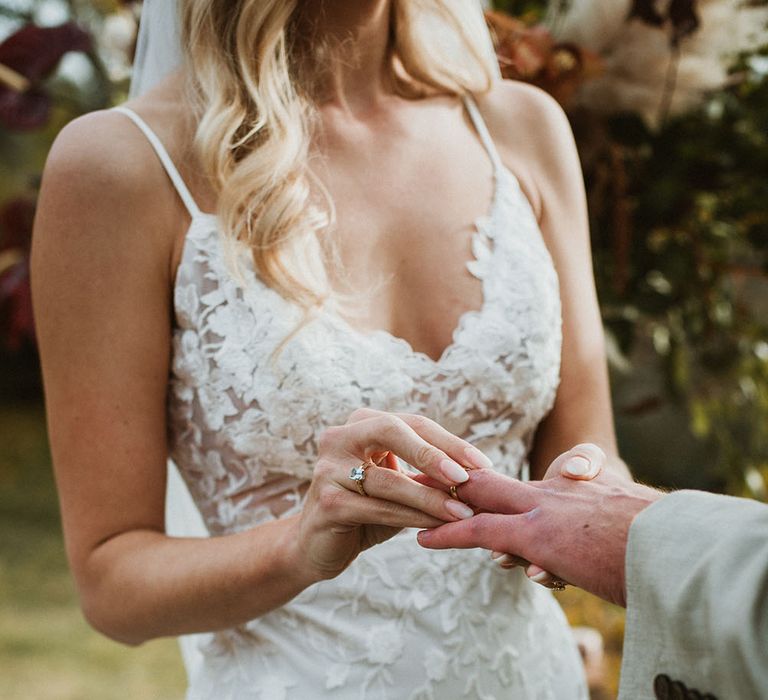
(338, 522)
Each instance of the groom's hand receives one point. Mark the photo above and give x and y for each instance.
(576, 530)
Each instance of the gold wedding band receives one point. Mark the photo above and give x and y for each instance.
(357, 474)
(454, 493)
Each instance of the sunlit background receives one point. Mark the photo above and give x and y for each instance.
(669, 104)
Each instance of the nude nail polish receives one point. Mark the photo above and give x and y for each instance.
(453, 472)
(578, 466)
(477, 459)
(458, 509)
(541, 577)
(507, 561)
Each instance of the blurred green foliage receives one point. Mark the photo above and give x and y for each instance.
(686, 272)
(679, 219)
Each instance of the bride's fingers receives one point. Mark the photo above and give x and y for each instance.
(460, 450)
(347, 508)
(387, 433)
(391, 485)
(509, 561)
(540, 576)
(457, 449)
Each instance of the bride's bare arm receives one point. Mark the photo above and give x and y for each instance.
(106, 228)
(535, 137)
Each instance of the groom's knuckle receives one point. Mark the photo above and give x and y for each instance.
(481, 524)
(481, 482)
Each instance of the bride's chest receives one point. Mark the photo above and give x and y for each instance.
(244, 376)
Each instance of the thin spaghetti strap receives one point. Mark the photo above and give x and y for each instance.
(482, 130)
(165, 159)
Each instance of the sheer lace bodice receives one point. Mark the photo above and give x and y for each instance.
(244, 429)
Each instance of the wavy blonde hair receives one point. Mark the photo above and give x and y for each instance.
(256, 106)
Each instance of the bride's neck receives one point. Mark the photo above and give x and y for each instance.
(343, 47)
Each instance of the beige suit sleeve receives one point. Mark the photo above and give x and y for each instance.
(697, 597)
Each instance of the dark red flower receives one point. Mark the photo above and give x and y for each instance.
(17, 327)
(682, 16)
(33, 53)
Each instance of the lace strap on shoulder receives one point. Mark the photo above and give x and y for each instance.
(482, 130)
(165, 159)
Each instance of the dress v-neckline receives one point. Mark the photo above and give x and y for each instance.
(481, 236)
(483, 226)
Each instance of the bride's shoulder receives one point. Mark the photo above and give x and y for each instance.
(532, 133)
(99, 153)
(105, 149)
(513, 108)
(103, 189)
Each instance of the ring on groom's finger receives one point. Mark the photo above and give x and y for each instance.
(357, 474)
(454, 493)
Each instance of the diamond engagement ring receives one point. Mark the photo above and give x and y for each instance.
(557, 585)
(357, 474)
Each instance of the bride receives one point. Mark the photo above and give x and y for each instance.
(332, 240)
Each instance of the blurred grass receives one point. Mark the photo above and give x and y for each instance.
(48, 652)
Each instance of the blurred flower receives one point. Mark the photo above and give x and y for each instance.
(117, 41)
(640, 74)
(27, 58)
(533, 55)
(16, 322)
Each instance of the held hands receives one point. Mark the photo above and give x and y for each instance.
(338, 522)
(578, 531)
(581, 463)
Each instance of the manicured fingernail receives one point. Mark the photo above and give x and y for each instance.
(507, 561)
(541, 577)
(496, 555)
(477, 459)
(578, 466)
(460, 510)
(453, 472)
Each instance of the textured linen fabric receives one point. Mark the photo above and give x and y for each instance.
(697, 605)
(401, 622)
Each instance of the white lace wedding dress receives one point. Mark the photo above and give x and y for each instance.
(401, 623)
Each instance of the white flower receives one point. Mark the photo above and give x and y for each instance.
(187, 305)
(189, 364)
(336, 676)
(637, 56)
(436, 664)
(384, 644)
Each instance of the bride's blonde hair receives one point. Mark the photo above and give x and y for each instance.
(256, 117)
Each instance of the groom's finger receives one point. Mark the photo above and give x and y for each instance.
(489, 490)
(503, 533)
